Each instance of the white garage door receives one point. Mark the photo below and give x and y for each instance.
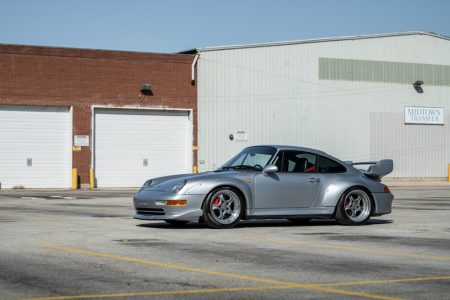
(132, 146)
(35, 147)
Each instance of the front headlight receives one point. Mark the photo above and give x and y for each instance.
(176, 188)
(146, 184)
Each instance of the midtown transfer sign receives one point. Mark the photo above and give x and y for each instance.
(424, 115)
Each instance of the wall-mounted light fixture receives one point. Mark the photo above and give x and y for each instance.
(418, 86)
(146, 89)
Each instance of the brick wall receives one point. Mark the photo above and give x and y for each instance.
(80, 78)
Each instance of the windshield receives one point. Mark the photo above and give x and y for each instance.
(251, 158)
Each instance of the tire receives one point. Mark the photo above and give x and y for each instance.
(176, 222)
(300, 221)
(223, 208)
(355, 207)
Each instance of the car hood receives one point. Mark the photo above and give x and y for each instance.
(166, 183)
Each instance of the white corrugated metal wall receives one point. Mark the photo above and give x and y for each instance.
(274, 94)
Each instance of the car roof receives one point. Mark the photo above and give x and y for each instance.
(349, 167)
(297, 148)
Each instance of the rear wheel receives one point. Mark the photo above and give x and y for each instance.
(223, 208)
(354, 207)
(176, 222)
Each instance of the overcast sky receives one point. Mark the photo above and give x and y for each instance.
(171, 26)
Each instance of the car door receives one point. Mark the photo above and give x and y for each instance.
(295, 185)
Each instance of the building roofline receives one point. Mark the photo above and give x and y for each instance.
(86, 52)
(319, 40)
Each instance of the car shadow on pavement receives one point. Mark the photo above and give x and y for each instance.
(257, 223)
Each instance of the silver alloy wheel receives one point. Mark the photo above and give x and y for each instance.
(225, 207)
(357, 205)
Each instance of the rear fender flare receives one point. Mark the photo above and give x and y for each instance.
(332, 194)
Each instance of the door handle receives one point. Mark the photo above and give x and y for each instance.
(314, 180)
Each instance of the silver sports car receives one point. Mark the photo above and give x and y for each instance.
(270, 182)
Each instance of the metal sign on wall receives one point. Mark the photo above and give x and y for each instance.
(424, 115)
(241, 136)
(81, 140)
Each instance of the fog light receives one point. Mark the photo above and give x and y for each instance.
(386, 189)
(176, 202)
(160, 202)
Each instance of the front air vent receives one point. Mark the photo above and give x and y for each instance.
(150, 211)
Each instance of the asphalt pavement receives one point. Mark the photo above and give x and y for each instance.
(86, 245)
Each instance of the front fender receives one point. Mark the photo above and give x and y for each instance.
(205, 187)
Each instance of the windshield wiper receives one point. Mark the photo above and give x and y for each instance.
(226, 168)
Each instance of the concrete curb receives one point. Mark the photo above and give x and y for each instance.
(416, 183)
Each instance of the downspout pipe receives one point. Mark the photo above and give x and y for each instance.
(194, 63)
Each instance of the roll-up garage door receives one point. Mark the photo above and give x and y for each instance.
(35, 147)
(132, 146)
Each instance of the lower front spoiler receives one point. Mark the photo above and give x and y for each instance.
(190, 215)
(145, 203)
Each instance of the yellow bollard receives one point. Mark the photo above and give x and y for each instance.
(449, 172)
(74, 179)
(91, 178)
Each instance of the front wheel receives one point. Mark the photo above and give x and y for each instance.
(354, 207)
(223, 208)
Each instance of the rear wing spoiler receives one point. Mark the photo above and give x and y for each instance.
(376, 169)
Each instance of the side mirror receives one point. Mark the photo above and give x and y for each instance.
(269, 169)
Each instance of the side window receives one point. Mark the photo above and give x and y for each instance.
(327, 165)
(299, 162)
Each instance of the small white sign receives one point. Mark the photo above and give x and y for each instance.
(241, 136)
(81, 140)
(424, 115)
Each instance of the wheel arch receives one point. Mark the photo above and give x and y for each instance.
(333, 192)
(233, 187)
(369, 193)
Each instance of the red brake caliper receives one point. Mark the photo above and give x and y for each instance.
(216, 201)
(347, 201)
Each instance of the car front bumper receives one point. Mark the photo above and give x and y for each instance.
(147, 209)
